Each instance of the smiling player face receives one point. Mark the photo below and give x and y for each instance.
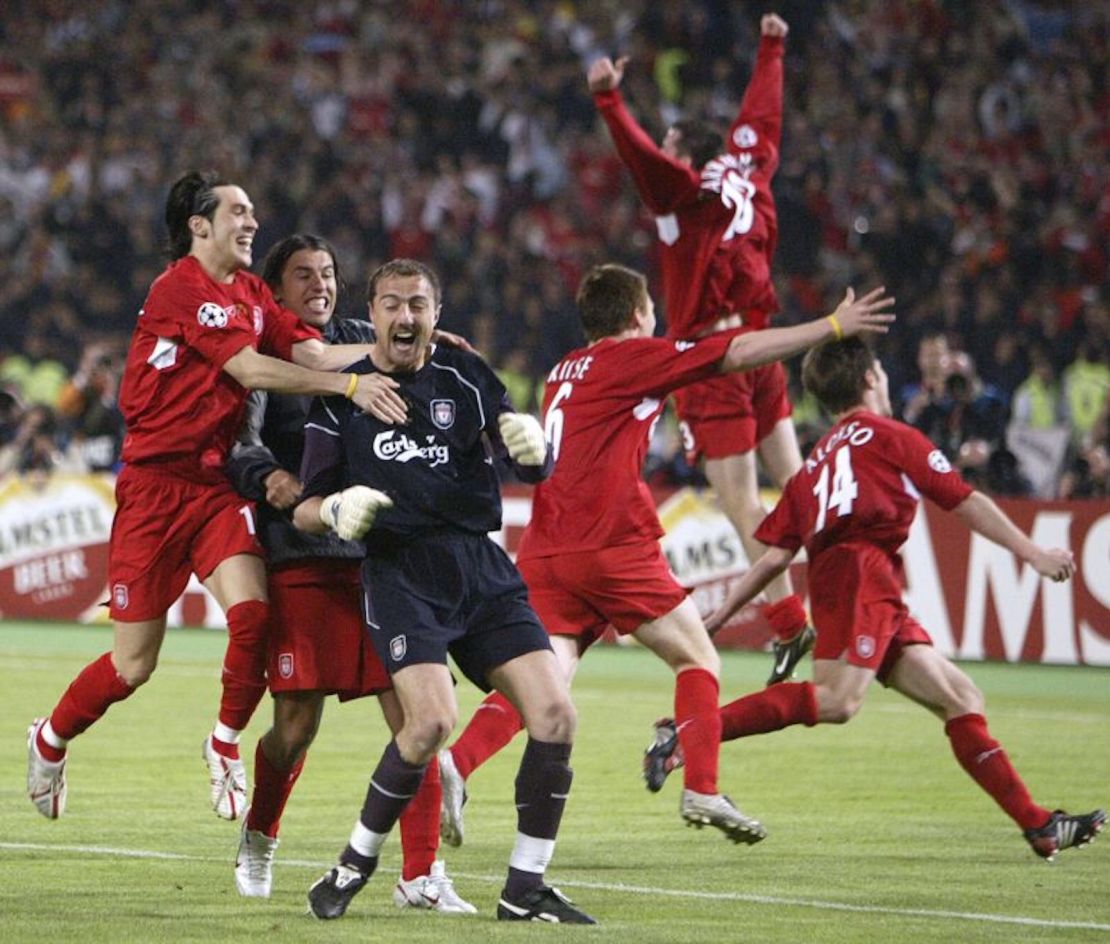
(308, 286)
(226, 241)
(404, 311)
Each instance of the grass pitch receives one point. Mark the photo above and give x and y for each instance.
(875, 833)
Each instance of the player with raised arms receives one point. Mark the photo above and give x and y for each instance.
(718, 230)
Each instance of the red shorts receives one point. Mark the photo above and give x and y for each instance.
(317, 639)
(731, 413)
(856, 604)
(582, 593)
(167, 528)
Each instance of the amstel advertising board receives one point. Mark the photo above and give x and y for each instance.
(975, 598)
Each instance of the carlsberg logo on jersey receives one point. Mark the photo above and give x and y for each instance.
(394, 446)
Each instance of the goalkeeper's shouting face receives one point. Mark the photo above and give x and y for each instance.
(404, 306)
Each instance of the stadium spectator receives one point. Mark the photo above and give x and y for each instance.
(590, 555)
(851, 508)
(1086, 382)
(718, 231)
(887, 135)
(88, 409)
(1039, 403)
(193, 357)
(433, 582)
(308, 575)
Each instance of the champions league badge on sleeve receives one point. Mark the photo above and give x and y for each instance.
(443, 413)
(211, 315)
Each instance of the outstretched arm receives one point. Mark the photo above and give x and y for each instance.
(662, 182)
(869, 314)
(373, 393)
(772, 563)
(980, 513)
(762, 104)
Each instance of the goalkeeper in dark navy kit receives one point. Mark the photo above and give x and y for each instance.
(424, 495)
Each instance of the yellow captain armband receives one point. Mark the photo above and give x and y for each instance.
(837, 330)
(352, 385)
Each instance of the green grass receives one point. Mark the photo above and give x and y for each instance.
(875, 832)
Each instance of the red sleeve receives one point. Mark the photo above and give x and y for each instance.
(659, 366)
(786, 525)
(663, 184)
(282, 329)
(930, 471)
(179, 307)
(761, 110)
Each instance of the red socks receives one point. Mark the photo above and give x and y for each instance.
(271, 792)
(987, 764)
(420, 826)
(244, 674)
(698, 722)
(93, 692)
(494, 724)
(787, 617)
(769, 710)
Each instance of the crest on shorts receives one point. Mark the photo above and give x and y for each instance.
(398, 646)
(285, 665)
(865, 646)
(120, 597)
(443, 413)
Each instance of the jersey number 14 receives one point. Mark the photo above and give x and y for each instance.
(844, 490)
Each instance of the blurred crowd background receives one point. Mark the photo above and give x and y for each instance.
(955, 152)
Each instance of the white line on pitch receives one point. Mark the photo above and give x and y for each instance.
(610, 887)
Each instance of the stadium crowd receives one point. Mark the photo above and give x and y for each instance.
(954, 152)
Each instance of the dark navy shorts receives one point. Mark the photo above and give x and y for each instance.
(449, 593)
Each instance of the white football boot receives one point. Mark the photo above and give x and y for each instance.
(434, 891)
(227, 779)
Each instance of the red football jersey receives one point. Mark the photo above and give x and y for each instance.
(717, 227)
(178, 403)
(600, 405)
(861, 485)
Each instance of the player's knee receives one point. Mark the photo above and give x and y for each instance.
(836, 707)
(968, 699)
(292, 736)
(555, 722)
(136, 671)
(420, 738)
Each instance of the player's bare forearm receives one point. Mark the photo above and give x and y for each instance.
(868, 314)
(306, 516)
(980, 513)
(257, 371)
(316, 355)
(770, 565)
(375, 393)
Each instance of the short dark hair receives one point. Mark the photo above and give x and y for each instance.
(836, 373)
(403, 268)
(273, 266)
(192, 194)
(700, 140)
(608, 297)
